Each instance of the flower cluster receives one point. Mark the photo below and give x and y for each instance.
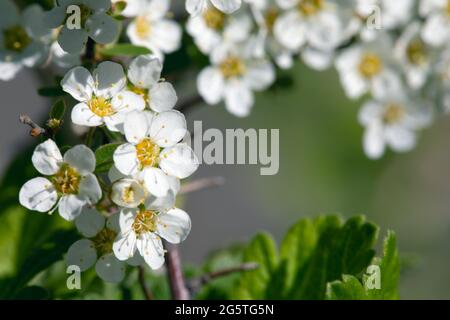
(136, 209)
(394, 54)
(391, 50)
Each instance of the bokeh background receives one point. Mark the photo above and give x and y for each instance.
(322, 170)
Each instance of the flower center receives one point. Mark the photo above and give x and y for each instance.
(140, 91)
(232, 67)
(143, 28)
(310, 7)
(370, 65)
(145, 221)
(128, 194)
(103, 241)
(270, 18)
(393, 113)
(416, 52)
(147, 153)
(214, 19)
(16, 38)
(101, 106)
(447, 9)
(66, 180)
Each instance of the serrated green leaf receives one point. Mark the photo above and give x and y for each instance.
(351, 288)
(51, 92)
(123, 49)
(312, 254)
(104, 157)
(58, 110)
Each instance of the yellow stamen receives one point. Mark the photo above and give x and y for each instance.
(145, 221)
(16, 38)
(416, 52)
(393, 113)
(66, 180)
(214, 19)
(370, 65)
(143, 28)
(310, 7)
(103, 241)
(270, 18)
(101, 107)
(232, 67)
(147, 153)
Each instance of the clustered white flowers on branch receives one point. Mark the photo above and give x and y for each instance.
(394, 54)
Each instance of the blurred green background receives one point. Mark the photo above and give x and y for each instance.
(322, 170)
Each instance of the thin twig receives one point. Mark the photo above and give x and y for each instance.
(147, 293)
(175, 274)
(36, 130)
(195, 284)
(189, 103)
(201, 184)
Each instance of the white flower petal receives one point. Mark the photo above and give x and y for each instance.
(137, 125)
(81, 158)
(168, 128)
(179, 161)
(70, 206)
(156, 182)
(78, 82)
(374, 144)
(90, 188)
(38, 194)
(127, 101)
(110, 269)
(47, 158)
(125, 159)
(72, 41)
(103, 28)
(82, 254)
(227, 6)
(109, 78)
(145, 71)
(239, 99)
(260, 76)
(124, 246)
(90, 222)
(174, 225)
(83, 116)
(151, 249)
(166, 36)
(163, 97)
(210, 84)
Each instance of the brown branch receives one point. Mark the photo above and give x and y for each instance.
(147, 293)
(175, 274)
(36, 130)
(195, 284)
(200, 184)
(190, 103)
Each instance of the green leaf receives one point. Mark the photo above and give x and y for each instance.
(32, 293)
(104, 157)
(262, 250)
(58, 110)
(119, 7)
(313, 253)
(123, 49)
(351, 288)
(51, 92)
(37, 260)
